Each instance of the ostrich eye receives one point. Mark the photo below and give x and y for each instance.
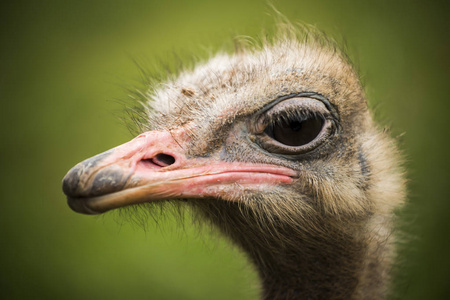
(294, 126)
(295, 133)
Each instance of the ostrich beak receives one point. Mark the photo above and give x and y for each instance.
(154, 166)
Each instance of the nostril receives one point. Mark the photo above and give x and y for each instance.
(160, 160)
(163, 160)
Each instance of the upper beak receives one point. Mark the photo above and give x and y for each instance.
(154, 166)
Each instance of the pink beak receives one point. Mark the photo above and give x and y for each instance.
(154, 166)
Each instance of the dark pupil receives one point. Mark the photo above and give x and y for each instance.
(295, 133)
(295, 126)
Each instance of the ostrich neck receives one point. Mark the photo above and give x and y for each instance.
(322, 261)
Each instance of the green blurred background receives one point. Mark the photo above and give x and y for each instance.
(64, 64)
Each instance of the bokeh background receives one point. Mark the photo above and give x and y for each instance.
(65, 66)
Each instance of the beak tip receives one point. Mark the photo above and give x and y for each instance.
(70, 183)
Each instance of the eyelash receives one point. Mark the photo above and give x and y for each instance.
(289, 115)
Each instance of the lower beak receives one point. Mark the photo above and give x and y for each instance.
(153, 167)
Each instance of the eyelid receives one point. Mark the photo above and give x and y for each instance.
(299, 107)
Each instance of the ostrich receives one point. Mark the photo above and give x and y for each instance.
(276, 147)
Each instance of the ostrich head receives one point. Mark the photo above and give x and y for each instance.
(277, 148)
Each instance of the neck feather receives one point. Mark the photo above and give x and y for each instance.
(321, 260)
